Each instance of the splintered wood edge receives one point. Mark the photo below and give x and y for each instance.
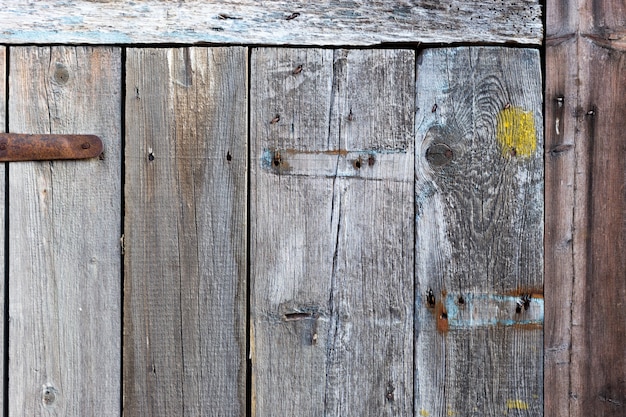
(270, 23)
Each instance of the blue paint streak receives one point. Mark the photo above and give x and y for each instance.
(456, 319)
(266, 158)
(113, 37)
(71, 20)
(51, 36)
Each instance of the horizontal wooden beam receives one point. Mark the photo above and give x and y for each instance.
(300, 22)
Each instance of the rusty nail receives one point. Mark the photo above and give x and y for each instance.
(293, 16)
(430, 298)
(560, 100)
(298, 69)
(277, 159)
(3, 146)
(275, 120)
(434, 109)
(507, 106)
(85, 145)
(371, 160)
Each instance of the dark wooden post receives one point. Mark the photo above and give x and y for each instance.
(585, 284)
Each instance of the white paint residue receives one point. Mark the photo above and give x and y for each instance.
(556, 126)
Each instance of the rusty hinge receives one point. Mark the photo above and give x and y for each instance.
(24, 147)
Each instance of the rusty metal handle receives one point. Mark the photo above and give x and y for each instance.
(24, 147)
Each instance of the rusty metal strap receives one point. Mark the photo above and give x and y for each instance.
(24, 147)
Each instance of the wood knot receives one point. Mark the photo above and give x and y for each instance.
(439, 154)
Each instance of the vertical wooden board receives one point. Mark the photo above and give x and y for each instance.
(563, 241)
(585, 329)
(64, 229)
(598, 370)
(332, 232)
(185, 232)
(479, 232)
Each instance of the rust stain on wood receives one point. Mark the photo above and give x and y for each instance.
(533, 292)
(340, 152)
(528, 326)
(441, 314)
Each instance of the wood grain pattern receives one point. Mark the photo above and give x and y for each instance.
(564, 243)
(64, 229)
(185, 232)
(479, 234)
(585, 58)
(332, 276)
(338, 22)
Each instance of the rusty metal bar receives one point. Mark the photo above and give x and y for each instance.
(25, 147)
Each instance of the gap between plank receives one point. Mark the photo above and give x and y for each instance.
(5, 326)
(248, 358)
(122, 215)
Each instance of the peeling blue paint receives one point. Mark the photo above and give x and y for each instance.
(52, 36)
(483, 310)
(266, 158)
(71, 20)
(101, 37)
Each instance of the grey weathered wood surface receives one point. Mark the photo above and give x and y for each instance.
(339, 22)
(585, 214)
(332, 271)
(64, 231)
(3, 73)
(479, 234)
(185, 232)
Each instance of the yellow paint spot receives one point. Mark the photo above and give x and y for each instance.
(450, 412)
(424, 413)
(515, 132)
(516, 405)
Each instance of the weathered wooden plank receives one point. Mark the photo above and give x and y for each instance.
(185, 232)
(64, 229)
(598, 334)
(563, 203)
(339, 22)
(585, 222)
(479, 233)
(332, 271)
(602, 291)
